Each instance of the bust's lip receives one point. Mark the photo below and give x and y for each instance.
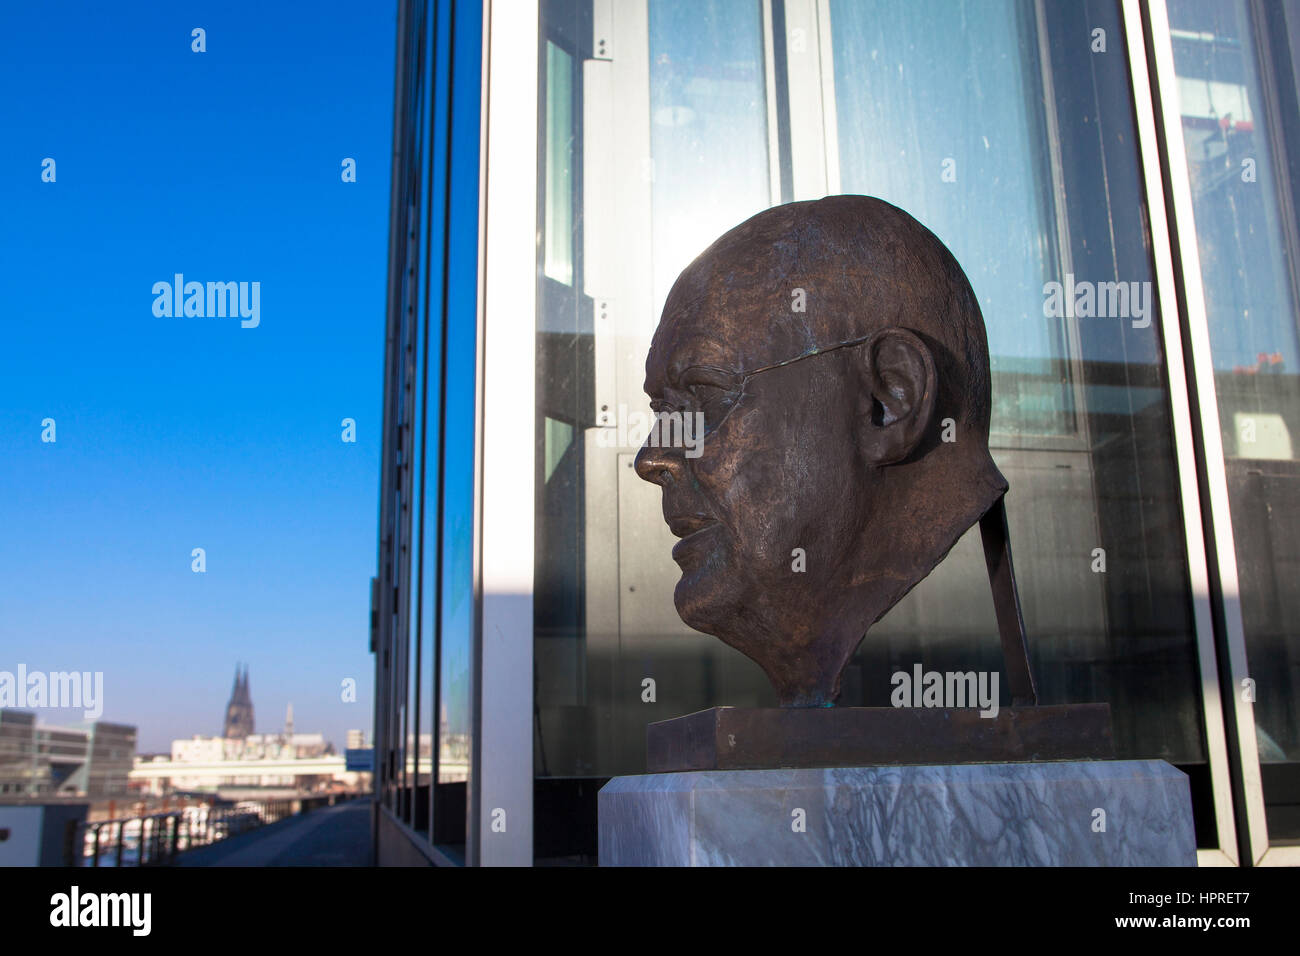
(683, 526)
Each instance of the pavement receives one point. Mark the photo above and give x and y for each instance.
(329, 836)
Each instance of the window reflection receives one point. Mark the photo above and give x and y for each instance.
(708, 134)
(1236, 160)
(559, 165)
(939, 108)
(1043, 187)
(998, 152)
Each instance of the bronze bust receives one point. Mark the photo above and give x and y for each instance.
(836, 357)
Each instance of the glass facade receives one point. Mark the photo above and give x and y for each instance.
(1240, 129)
(1081, 426)
(1015, 131)
(423, 603)
(1015, 155)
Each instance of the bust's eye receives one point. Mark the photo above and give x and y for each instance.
(705, 394)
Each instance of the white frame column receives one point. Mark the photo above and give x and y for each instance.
(1164, 230)
(1218, 519)
(500, 831)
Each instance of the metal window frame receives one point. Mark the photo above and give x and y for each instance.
(810, 80)
(438, 161)
(814, 15)
(503, 771)
(1221, 543)
(502, 775)
(1170, 278)
(388, 573)
(817, 166)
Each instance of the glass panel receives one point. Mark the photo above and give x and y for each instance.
(701, 98)
(1018, 154)
(707, 102)
(417, 756)
(962, 151)
(559, 165)
(1237, 160)
(455, 545)
(1041, 201)
(565, 413)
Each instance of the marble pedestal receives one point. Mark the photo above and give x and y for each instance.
(1008, 814)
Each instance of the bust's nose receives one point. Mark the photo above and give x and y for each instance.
(661, 465)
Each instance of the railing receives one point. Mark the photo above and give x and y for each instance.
(157, 838)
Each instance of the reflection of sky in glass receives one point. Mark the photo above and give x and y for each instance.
(461, 318)
(457, 624)
(558, 259)
(708, 127)
(918, 82)
(458, 582)
(418, 660)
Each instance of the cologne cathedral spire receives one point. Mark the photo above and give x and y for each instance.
(239, 712)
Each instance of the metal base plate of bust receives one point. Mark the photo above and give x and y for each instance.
(748, 738)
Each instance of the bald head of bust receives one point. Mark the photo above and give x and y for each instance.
(829, 362)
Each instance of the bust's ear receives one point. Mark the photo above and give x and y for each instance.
(896, 401)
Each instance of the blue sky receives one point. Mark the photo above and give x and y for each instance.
(177, 433)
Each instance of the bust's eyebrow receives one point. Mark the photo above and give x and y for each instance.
(721, 370)
(700, 350)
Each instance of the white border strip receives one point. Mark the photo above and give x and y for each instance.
(503, 824)
(1180, 407)
(1198, 329)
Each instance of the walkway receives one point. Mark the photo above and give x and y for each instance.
(331, 836)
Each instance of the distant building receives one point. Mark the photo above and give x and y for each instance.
(278, 747)
(199, 749)
(244, 759)
(356, 739)
(286, 745)
(239, 712)
(93, 761)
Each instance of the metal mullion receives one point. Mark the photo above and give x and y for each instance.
(830, 117)
(435, 93)
(387, 524)
(775, 157)
(409, 345)
(807, 97)
(1219, 529)
(1202, 473)
(400, 541)
(1280, 144)
(1080, 437)
(442, 84)
(502, 774)
(426, 112)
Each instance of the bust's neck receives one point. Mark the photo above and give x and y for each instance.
(919, 536)
(808, 674)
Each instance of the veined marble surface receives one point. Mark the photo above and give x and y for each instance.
(1014, 814)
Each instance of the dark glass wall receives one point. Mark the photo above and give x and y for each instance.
(425, 609)
(1237, 102)
(1009, 132)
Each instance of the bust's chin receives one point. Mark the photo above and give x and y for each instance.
(703, 603)
(703, 595)
(719, 601)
